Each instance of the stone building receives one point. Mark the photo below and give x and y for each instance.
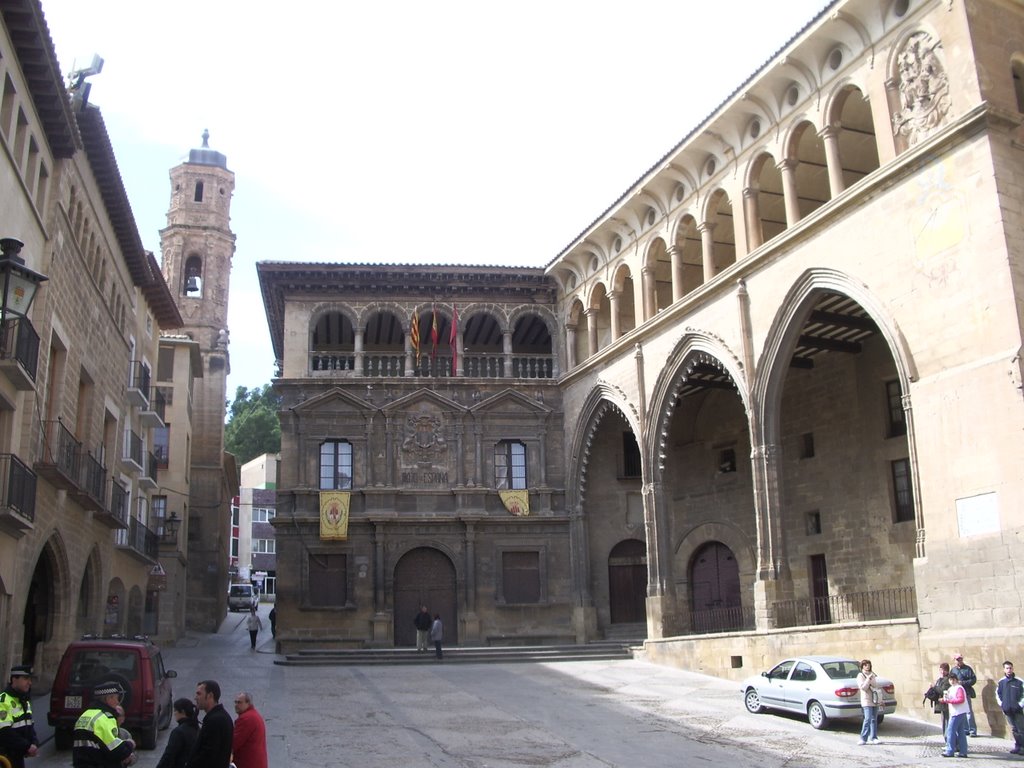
(777, 401)
(78, 537)
(253, 556)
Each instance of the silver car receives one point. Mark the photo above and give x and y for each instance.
(821, 687)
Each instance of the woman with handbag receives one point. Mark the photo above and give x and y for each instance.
(870, 698)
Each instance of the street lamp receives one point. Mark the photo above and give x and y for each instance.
(171, 527)
(18, 283)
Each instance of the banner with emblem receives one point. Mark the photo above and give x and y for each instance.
(334, 515)
(516, 502)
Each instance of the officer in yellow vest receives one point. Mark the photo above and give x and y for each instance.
(97, 741)
(17, 731)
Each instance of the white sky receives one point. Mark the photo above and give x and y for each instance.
(455, 132)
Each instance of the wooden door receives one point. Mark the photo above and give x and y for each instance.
(424, 576)
(715, 589)
(627, 582)
(820, 609)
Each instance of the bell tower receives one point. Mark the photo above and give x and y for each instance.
(197, 246)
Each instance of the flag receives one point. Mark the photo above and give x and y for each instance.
(433, 335)
(453, 338)
(414, 335)
(516, 502)
(334, 507)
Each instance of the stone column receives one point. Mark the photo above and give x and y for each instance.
(675, 253)
(542, 450)
(584, 614)
(408, 355)
(613, 303)
(773, 580)
(378, 567)
(506, 348)
(789, 191)
(358, 348)
(650, 283)
(460, 364)
(591, 314)
(470, 567)
(570, 346)
(389, 453)
(707, 242)
(752, 218)
(915, 480)
(478, 464)
(830, 135)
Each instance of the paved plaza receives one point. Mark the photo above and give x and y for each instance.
(591, 714)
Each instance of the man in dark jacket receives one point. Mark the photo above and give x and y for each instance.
(213, 747)
(422, 622)
(17, 730)
(1010, 696)
(98, 742)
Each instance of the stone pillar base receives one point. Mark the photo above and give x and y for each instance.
(767, 592)
(663, 619)
(469, 631)
(382, 636)
(584, 623)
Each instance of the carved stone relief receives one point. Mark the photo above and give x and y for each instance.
(923, 88)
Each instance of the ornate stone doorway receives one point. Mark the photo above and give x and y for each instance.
(425, 576)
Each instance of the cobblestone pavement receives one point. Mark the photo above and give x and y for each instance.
(586, 714)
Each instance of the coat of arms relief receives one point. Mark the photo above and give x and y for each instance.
(424, 441)
(923, 88)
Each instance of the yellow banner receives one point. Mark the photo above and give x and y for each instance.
(334, 515)
(516, 502)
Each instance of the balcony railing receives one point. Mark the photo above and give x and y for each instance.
(332, 361)
(152, 414)
(878, 605)
(60, 456)
(732, 619)
(384, 365)
(17, 494)
(94, 480)
(138, 383)
(139, 540)
(116, 513)
(148, 478)
(494, 365)
(19, 352)
(133, 450)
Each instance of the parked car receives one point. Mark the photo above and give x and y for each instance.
(242, 597)
(823, 688)
(135, 663)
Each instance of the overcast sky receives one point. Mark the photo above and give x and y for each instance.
(447, 132)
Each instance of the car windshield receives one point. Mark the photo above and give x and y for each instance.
(89, 666)
(844, 669)
(241, 591)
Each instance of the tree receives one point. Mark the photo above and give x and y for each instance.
(253, 427)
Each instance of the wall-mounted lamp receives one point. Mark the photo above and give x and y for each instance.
(171, 524)
(18, 283)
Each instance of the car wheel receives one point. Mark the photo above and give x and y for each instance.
(147, 736)
(753, 702)
(63, 739)
(816, 715)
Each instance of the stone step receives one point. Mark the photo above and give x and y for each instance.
(602, 651)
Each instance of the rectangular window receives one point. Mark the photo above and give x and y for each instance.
(162, 445)
(510, 465)
(158, 510)
(897, 425)
(328, 580)
(262, 515)
(520, 577)
(264, 546)
(902, 490)
(165, 364)
(807, 445)
(335, 465)
(630, 455)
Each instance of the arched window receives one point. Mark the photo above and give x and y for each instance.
(193, 277)
(199, 192)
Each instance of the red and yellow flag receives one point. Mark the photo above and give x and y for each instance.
(414, 334)
(433, 335)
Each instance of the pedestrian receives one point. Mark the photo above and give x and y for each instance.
(959, 708)
(18, 738)
(124, 734)
(1010, 697)
(423, 623)
(968, 680)
(213, 745)
(98, 741)
(254, 625)
(249, 743)
(870, 698)
(938, 689)
(273, 621)
(437, 634)
(183, 737)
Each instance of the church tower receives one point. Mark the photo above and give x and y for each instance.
(197, 246)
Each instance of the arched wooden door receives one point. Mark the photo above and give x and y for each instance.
(627, 582)
(715, 589)
(425, 576)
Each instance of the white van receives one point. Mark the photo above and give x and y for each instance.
(242, 597)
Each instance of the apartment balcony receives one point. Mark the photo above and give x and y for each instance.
(19, 352)
(139, 542)
(152, 414)
(115, 514)
(133, 458)
(147, 480)
(138, 384)
(17, 495)
(90, 492)
(60, 460)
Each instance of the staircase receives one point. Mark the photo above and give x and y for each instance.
(605, 650)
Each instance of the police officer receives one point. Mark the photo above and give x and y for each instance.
(17, 731)
(97, 741)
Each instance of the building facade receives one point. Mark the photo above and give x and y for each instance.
(253, 557)
(79, 542)
(770, 401)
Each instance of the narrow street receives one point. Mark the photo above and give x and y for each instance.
(562, 715)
